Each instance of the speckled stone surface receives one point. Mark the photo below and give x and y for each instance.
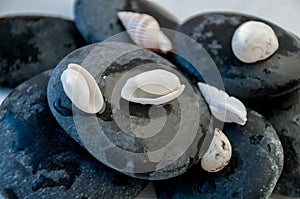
(253, 171)
(274, 76)
(32, 44)
(97, 20)
(149, 142)
(39, 160)
(284, 114)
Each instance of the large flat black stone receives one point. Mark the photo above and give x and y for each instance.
(39, 160)
(253, 170)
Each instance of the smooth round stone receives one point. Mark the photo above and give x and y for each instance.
(284, 114)
(32, 44)
(143, 141)
(39, 160)
(97, 20)
(252, 172)
(272, 77)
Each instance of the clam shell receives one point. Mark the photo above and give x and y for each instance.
(222, 106)
(218, 154)
(254, 41)
(152, 87)
(82, 89)
(145, 31)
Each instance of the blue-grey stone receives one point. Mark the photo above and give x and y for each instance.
(97, 20)
(176, 133)
(284, 114)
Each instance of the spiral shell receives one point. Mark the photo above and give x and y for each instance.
(152, 87)
(254, 41)
(224, 107)
(82, 89)
(218, 154)
(145, 31)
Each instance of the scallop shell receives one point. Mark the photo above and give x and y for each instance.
(82, 89)
(254, 41)
(152, 87)
(218, 154)
(145, 31)
(222, 106)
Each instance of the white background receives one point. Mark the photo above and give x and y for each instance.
(285, 13)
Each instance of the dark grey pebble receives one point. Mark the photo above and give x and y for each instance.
(277, 75)
(32, 44)
(39, 160)
(252, 172)
(143, 141)
(97, 20)
(284, 114)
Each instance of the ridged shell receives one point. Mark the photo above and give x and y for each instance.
(82, 89)
(152, 87)
(222, 106)
(219, 153)
(145, 31)
(254, 41)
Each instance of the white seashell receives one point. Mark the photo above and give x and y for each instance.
(82, 89)
(152, 87)
(145, 31)
(254, 41)
(222, 106)
(218, 154)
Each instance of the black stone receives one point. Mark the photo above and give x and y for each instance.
(115, 133)
(284, 114)
(272, 77)
(32, 44)
(252, 172)
(39, 160)
(97, 20)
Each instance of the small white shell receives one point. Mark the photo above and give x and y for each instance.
(82, 89)
(218, 154)
(152, 87)
(222, 106)
(145, 31)
(254, 41)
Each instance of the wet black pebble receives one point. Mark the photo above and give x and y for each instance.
(32, 44)
(272, 77)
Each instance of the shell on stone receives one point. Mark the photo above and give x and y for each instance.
(152, 87)
(82, 89)
(254, 41)
(145, 31)
(218, 154)
(222, 106)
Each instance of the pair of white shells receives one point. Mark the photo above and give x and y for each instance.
(224, 107)
(152, 87)
(145, 31)
(82, 89)
(218, 154)
(254, 41)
